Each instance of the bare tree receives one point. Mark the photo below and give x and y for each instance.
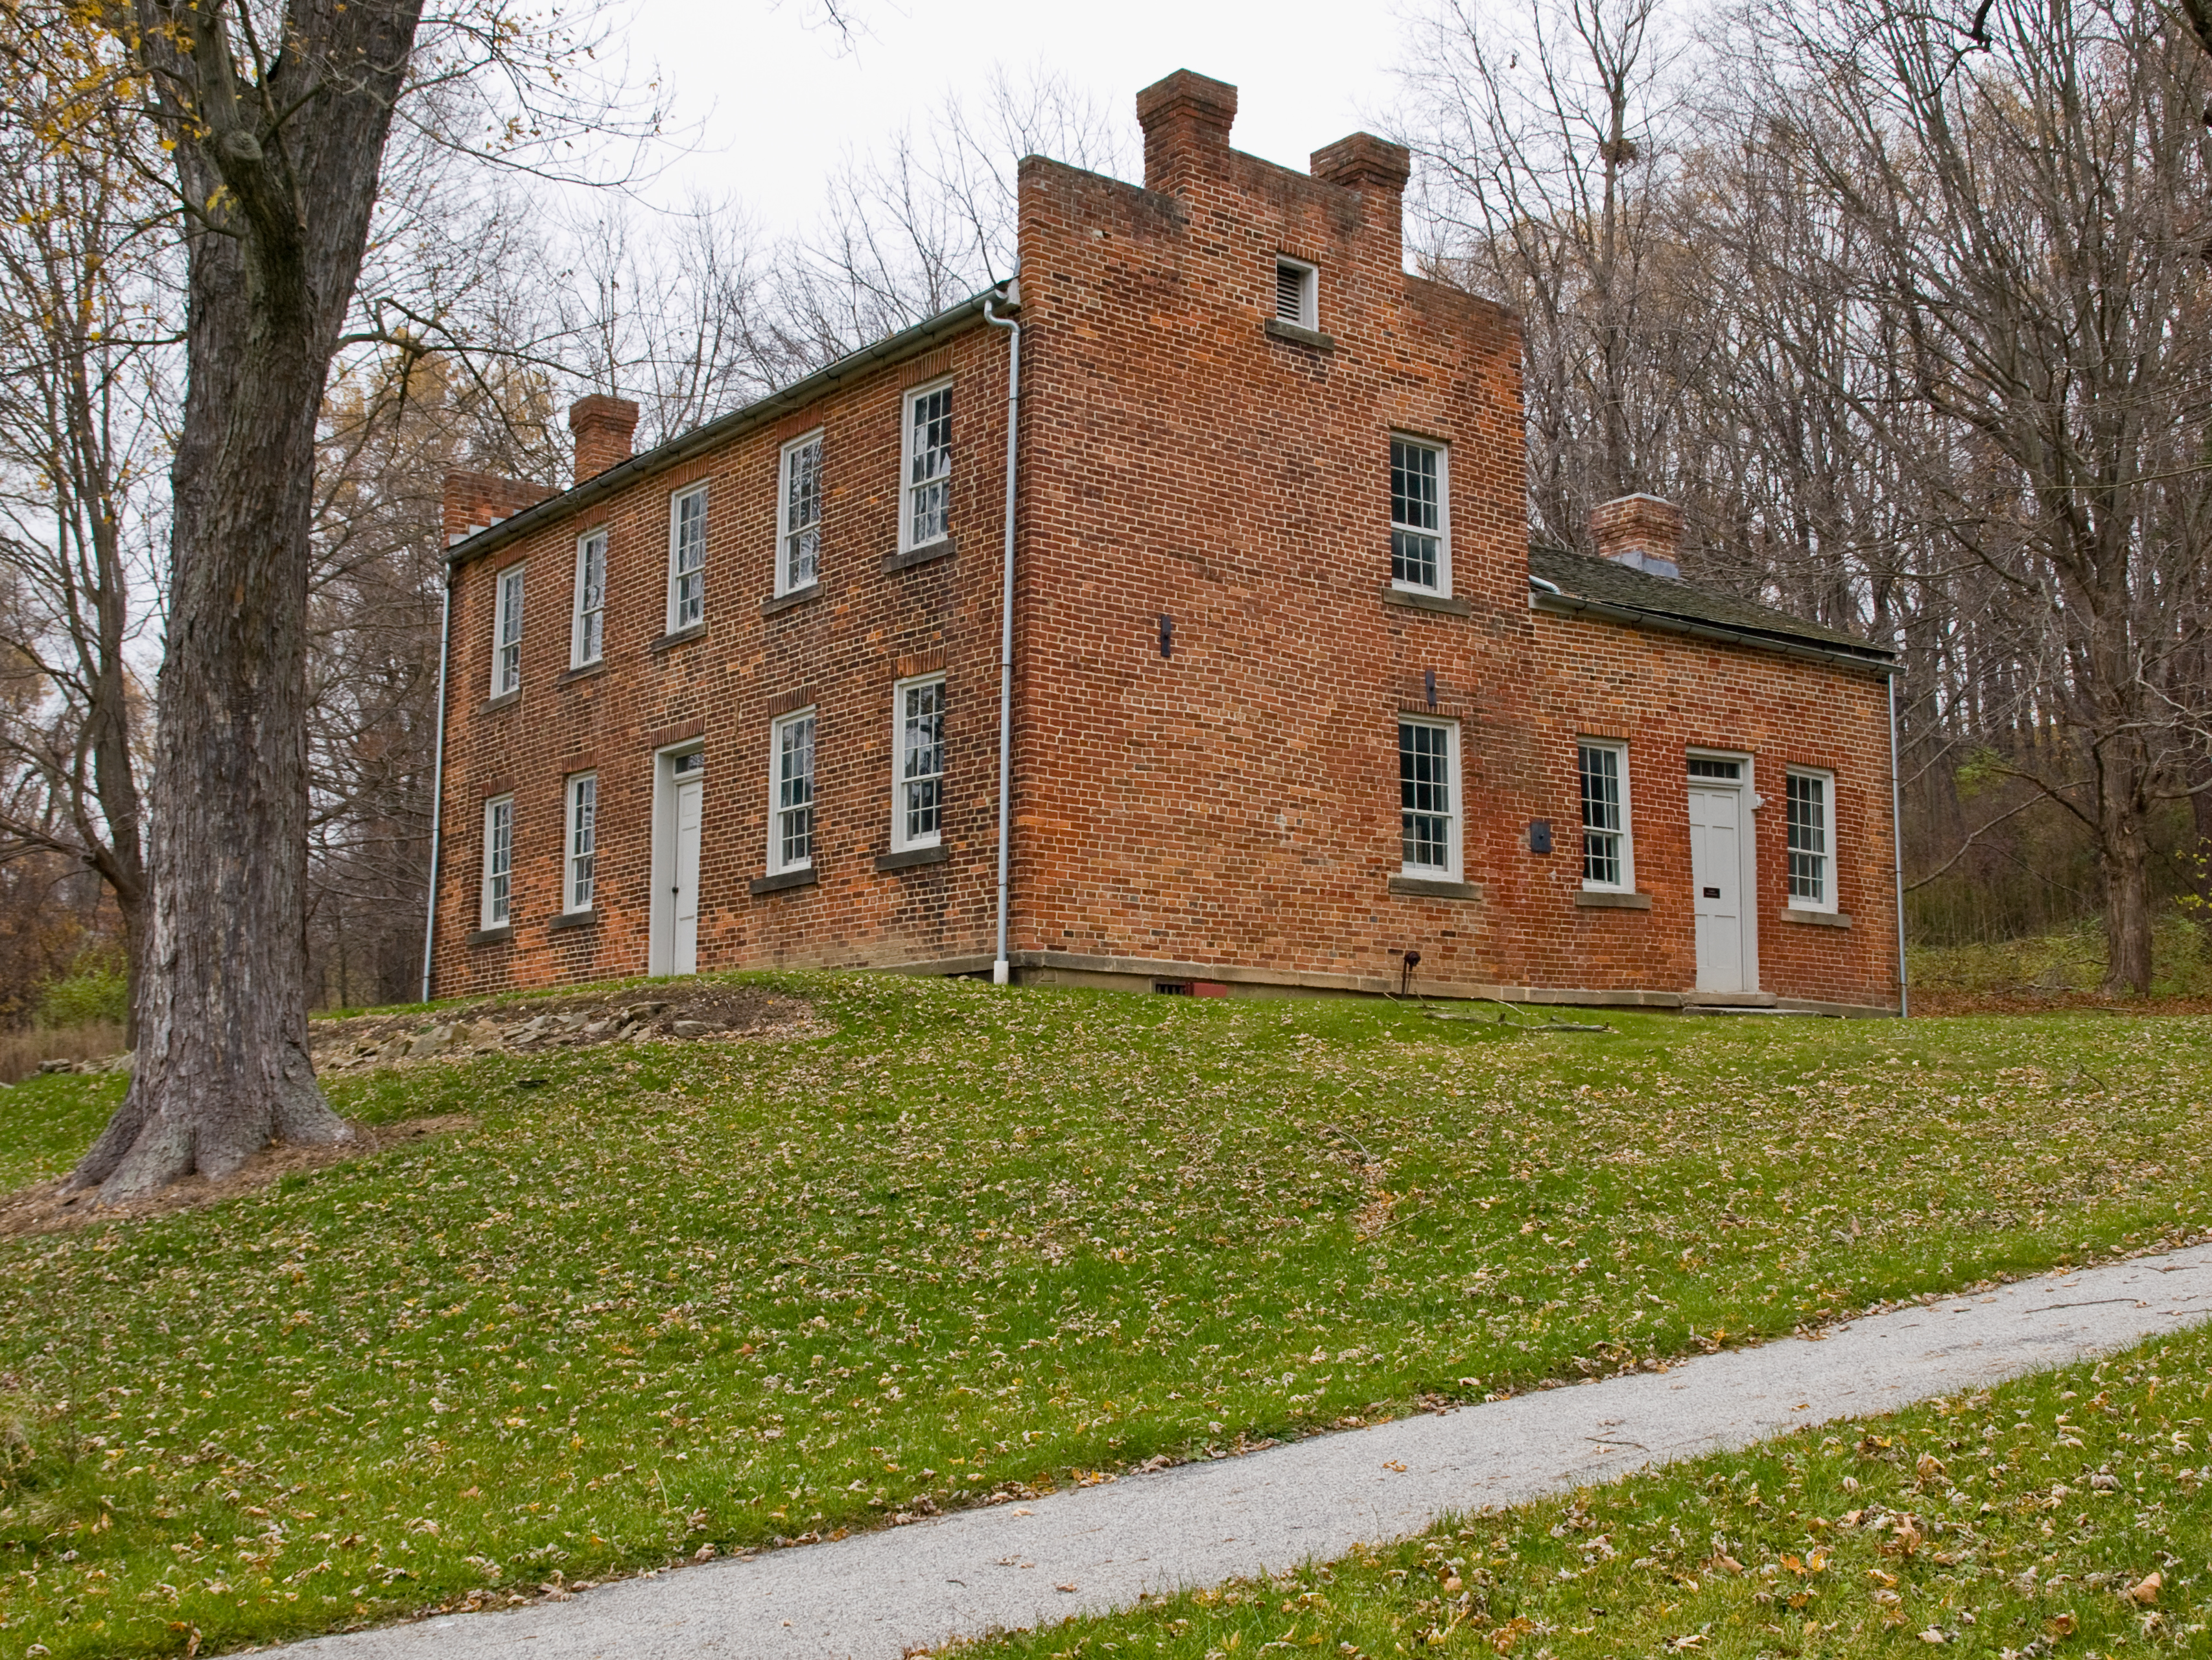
(275, 119)
(2030, 222)
(85, 400)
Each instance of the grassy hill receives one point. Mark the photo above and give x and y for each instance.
(963, 1243)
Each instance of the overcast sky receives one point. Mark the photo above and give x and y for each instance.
(776, 103)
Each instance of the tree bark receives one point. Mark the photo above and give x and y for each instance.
(279, 162)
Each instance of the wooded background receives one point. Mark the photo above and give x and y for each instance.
(1907, 310)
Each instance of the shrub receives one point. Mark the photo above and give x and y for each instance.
(95, 990)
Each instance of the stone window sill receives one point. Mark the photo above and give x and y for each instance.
(1279, 330)
(940, 549)
(783, 602)
(1597, 899)
(1818, 919)
(790, 879)
(1424, 887)
(572, 919)
(697, 631)
(911, 857)
(498, 936)
(583, 671)
(505, 700)
(1416, 600)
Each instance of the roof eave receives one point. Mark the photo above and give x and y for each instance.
(907, 343)
(1865, 660)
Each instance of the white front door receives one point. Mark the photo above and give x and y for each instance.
(1716, 882)
(683, 886)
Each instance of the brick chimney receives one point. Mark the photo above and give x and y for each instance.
(1186, 118)
(478, 501)
(1641, 531)
(1375, 167)
(604, 426)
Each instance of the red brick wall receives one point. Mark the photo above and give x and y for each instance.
(1236, 805)
(842, 649)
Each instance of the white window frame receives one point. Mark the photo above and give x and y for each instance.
(580, 843)
(901, 841)
(583, 650)
(1454, 812)
(1442, 586)
(1619, 749)
(496, 906)
(507, 630)
(784, 532)
(777, 864)
(676, 621)
(1826, 780)
(907, 484)
(1308, 315)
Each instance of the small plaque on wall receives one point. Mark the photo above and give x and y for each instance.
(1539, 836)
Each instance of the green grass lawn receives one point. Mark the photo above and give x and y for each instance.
(671, 1296)
(2020, 1521)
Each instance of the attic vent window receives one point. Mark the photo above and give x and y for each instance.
(1297, 293)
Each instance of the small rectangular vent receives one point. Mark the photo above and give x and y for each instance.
(1294, 293)
(1172, 988)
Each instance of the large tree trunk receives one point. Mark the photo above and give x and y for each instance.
(293, 164)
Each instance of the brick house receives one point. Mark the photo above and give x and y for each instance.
(1292, 702)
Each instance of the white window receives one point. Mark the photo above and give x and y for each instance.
(1812, 808)
(799, 515)
(498, 861)
(583, 841)
(926, 467)
(506, 635)
(1420, 516)
(687, 558)
(1608, 856)
(791, 793)
(587, 634)
(1297, 293)
(1428, 770)
(918, 777)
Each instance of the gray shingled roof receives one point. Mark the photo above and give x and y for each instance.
(1623, 588)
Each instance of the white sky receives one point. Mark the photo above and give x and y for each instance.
(777, 103)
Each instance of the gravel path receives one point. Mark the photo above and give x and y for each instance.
(875, 1594)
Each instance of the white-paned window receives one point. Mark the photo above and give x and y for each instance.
(1812, 810)
(1428, 813)
(588, 637)
(799, 515)
(1297, 293)
(506, 634)
(1608, 858)
(687, 557)
(791, 793)
(498, 861)
(1420, 516)
(583, 841)
(918, 780)
(927, 468)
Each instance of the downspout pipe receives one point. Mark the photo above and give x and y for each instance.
(1897, 854)
(438, 778)
(1001, 971)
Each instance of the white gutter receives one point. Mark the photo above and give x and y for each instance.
(1001, 971)
(438, 777)
(1897, 854)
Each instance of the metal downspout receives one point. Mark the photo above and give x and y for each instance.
(1897, 854)
(438, 778)
(1001, 972)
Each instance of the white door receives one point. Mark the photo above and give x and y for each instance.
(683, 892)
(1716, 882)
